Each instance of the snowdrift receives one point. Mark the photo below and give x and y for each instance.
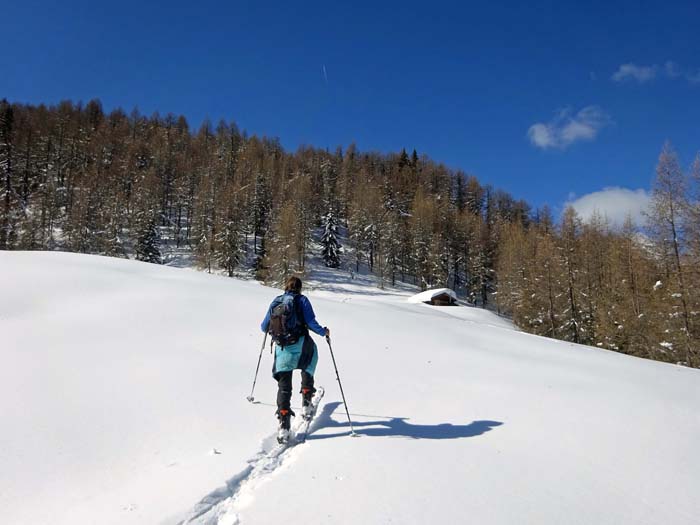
(123, 386)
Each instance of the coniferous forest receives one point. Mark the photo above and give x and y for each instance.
(75, 178)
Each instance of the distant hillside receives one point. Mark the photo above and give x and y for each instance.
(74, 178)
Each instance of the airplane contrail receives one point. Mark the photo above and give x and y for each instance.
(325, 74)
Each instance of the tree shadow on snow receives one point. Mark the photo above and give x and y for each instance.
(396, 427)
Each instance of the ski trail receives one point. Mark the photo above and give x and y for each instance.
(217, 505)
(221, 506)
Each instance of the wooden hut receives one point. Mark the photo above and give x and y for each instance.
(437, 297)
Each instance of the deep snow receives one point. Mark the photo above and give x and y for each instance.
(122, 397)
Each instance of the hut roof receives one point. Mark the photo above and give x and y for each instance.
(429, 295)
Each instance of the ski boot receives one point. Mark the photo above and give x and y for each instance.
(284, 416)
(307, 407)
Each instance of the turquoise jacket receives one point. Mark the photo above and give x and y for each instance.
(302, 355)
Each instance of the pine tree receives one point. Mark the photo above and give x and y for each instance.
(460, 192)
(403, 158)
(228, 247)
(393, 249)
(7, 191)
(329, 240)
(261, 209)
(73, 178)
(414, 159)
(148, 242)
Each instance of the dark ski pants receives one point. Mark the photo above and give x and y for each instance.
(284, 387)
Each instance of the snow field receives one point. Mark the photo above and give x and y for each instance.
(122, 377)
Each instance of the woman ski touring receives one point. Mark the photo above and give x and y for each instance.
(288, 320)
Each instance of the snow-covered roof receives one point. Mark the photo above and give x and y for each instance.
(428, 295)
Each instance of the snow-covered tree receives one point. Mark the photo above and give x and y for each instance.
(261, 206)
(229, 248)
(329, 240)
(148, 242)
(7, 191)
(74, 178)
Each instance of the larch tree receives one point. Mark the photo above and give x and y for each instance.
(570, 258)
(668, 200)
(74, 178)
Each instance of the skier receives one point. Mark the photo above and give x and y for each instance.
(288, 320)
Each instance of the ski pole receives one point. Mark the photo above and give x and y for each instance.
(337, 376)
(250, 397)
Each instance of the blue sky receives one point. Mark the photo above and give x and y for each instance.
(551, 101)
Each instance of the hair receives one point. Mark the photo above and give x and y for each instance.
(292, 284)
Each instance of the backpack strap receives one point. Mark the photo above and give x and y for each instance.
(300, 314)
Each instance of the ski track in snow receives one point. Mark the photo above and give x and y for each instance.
(221, 507)
(124, 428)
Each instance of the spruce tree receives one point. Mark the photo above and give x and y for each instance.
(260, 211)
(229, 249)
(148, 243)
(7, 211)
(331, 246)
(73, 178)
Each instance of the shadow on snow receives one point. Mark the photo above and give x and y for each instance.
(383, 427)
(396, 427)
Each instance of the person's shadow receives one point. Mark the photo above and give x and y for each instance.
(396, 427)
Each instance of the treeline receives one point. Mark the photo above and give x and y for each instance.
(616, 288)
(78, 179)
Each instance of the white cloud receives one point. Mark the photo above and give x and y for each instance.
(615, 203)
(671, 69)
(541, 136)
(642, 74)
(567, 128)
(632, 71)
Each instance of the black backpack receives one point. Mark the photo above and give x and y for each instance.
(286, 320)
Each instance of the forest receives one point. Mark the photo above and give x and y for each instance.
(75, 178)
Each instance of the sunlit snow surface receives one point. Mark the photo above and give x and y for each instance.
(123, 400)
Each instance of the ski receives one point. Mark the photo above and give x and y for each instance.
(303, 431)
(299, 430)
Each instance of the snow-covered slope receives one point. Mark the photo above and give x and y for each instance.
(122, 398)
